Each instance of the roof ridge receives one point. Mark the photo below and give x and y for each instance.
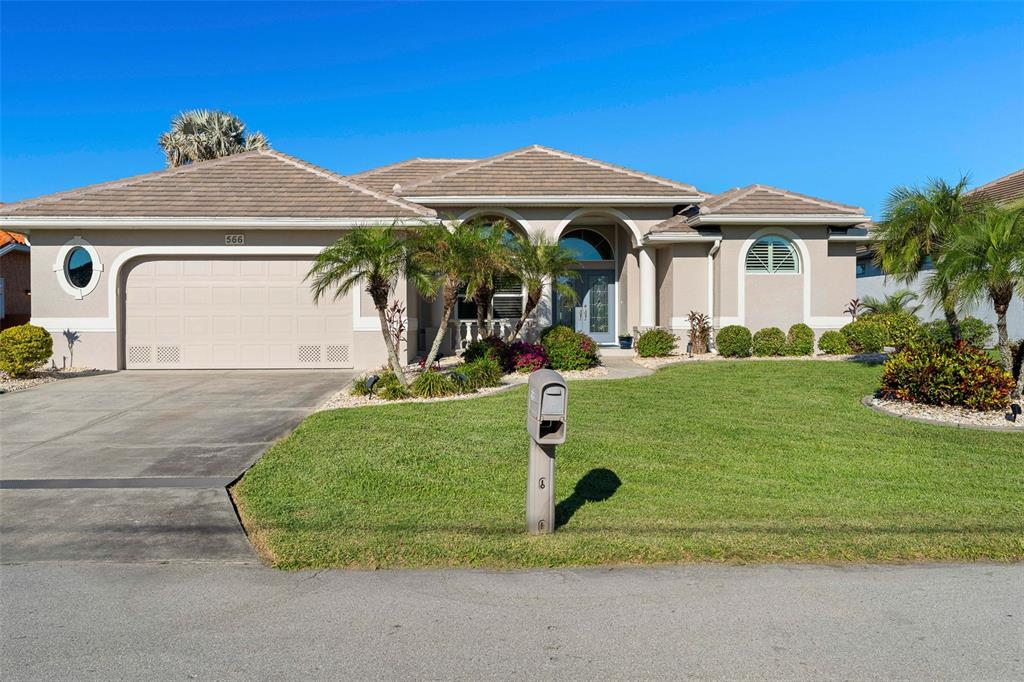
(127, 182)
(480, 163)
(1009, 175)
(741, 192)
(808, 197)
(616, 168)
(342, 180)
(405, 162)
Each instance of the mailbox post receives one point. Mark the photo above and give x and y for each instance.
(546, 413)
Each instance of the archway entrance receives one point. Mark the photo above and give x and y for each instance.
(593, 311)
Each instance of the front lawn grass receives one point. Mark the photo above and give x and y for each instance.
(728, 461)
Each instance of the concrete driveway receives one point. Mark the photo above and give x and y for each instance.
(132, 466)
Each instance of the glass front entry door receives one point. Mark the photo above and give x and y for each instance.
(593, 312)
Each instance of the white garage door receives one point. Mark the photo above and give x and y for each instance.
(231, 313)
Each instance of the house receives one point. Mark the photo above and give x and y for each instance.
(202, 266)
(873, 282)
(15, 284)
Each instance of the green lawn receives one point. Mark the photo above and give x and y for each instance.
(726, 462)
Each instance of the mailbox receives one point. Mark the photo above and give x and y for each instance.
(548, 407)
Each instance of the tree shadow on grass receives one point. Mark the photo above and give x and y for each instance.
(597, 485)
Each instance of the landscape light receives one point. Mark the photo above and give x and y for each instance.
(371, 381)
(1014, 411)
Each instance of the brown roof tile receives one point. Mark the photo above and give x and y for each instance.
(541, 171)
(1005, 189)
(762, 199)
(404, 173)
(257, 184)
(6, 237)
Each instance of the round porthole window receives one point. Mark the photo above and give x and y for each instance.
(78, 267)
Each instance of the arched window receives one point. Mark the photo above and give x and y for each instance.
(587, 245)
(772, 255)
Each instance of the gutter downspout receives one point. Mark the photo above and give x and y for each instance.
(711, 280)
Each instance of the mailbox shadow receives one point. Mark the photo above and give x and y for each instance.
(597, 485)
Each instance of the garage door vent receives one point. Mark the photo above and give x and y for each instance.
(140, 355)
(336, 354)
(309, 354)
(168, 354)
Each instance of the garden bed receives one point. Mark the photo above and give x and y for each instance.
(10, 384)
(946, 415)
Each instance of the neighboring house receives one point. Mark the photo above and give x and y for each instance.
(203, 265)
(15, 280)
(871, 281)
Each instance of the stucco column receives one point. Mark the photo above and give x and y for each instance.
(648, 287)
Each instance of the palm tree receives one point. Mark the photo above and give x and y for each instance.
(452, 258)
(986, 258)
(538, 260)
(201, 135)
(917, 226)
(902, 301)
(378, 256)
(492, 265)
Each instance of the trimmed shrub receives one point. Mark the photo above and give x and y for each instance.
(528, 357)
(900, 328)
(481, 373)
(433, 384)
(23, 348)
(833, 343)
(864, 336)
(569, 350)
(388, 387)
(492, 347)
(936, 374)
(800, 340)
(972, 330)
(734, 341)
(656, 343)
(768, 342)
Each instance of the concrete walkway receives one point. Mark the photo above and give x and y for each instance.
(226, 622)
(132, 466)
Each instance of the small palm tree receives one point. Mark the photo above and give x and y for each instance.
(201, 135)
(986, 258)
(538, 260)
(491, 265)
(451, 257)
(378, 256)
(899, 302)
(917, 227)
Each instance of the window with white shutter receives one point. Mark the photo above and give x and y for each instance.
(772, 255)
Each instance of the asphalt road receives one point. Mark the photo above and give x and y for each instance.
(208, 621)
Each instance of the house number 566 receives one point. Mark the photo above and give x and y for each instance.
(234, 239)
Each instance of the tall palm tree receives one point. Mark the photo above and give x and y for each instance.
(538, 260)
(378, 256)
(903, 301)
(916, 227)
(451, 257)
(201, 135)
(986, 258)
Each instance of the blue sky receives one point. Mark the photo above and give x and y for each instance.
(838, 100)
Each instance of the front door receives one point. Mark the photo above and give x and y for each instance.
(593, 312)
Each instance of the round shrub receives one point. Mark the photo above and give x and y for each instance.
(972, 330)
(800, 340)
(900, 328)
(864, 336)
(433, 384)
(492, 347)
(768, 342)
(481, 373)
(656, 343)
(833, 343)
(569, 350)
(528, 357)
(957, 374)
(733, 341)
(23, 348)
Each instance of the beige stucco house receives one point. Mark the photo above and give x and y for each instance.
(202, 266)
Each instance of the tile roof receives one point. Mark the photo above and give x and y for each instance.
(542, 171)
(256, 184)
(763, 199)
(7, 237)
(1007, 188)
(403, 173)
